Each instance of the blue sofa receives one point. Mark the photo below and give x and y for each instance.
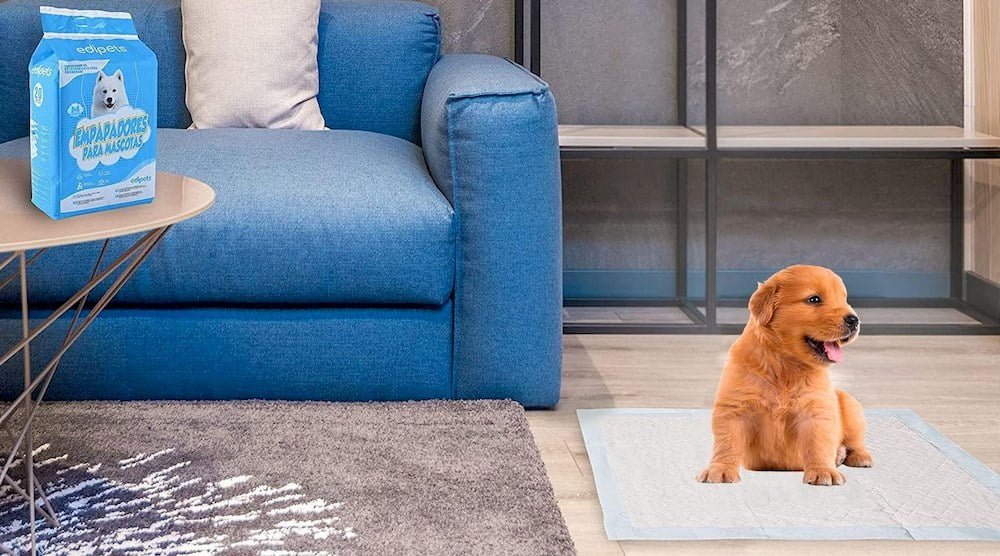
(411, 252)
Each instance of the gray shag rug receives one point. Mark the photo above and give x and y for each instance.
(289, 478)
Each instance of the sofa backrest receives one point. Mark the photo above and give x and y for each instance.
(374, 58)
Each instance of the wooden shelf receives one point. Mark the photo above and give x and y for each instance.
(775, 137)
(852, 137)
(630, 136)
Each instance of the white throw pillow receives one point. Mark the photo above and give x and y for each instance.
(252, 63)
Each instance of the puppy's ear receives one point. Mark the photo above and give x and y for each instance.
(764, 301)
(119, 76)
(100, 75)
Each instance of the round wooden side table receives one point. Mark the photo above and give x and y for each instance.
(24, 229)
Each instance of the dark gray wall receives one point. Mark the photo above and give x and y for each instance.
(619, 214)
(850, 62)
(781, 62)
(484, 26)
(611, 62)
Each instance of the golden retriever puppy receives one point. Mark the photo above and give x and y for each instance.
(776, 408)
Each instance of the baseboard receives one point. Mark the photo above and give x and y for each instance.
(619, 284)
(983, 294)
(661, 284)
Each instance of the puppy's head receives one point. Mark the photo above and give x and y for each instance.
(805, 309)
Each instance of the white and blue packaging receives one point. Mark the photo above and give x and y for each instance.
(93, 114)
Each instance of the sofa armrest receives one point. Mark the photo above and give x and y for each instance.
(490, 138)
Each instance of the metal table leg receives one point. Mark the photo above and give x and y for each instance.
(35, 386)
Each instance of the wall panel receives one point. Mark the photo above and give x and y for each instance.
(986, 188)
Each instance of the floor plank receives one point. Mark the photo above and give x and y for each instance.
(952, 382)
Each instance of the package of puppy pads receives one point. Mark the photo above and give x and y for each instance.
(92, 84)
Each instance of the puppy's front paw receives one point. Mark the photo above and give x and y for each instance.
(858, 458)
(823, 476)
(719, 474)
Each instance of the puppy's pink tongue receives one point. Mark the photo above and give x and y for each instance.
(833, 351)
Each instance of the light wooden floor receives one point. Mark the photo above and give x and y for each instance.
(952, 382)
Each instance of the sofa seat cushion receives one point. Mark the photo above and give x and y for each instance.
(301, 217)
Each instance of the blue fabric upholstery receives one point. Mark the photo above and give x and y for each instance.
(373, 57)
(490, 138)
(305, 217)
(338, 265)
(240, 353)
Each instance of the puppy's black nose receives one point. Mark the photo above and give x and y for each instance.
(851, 321)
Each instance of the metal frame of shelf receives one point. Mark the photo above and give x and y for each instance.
(705, 320)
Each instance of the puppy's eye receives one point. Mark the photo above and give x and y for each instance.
(814, 300)
(114, 90)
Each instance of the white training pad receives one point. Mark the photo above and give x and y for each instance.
(921, 487)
